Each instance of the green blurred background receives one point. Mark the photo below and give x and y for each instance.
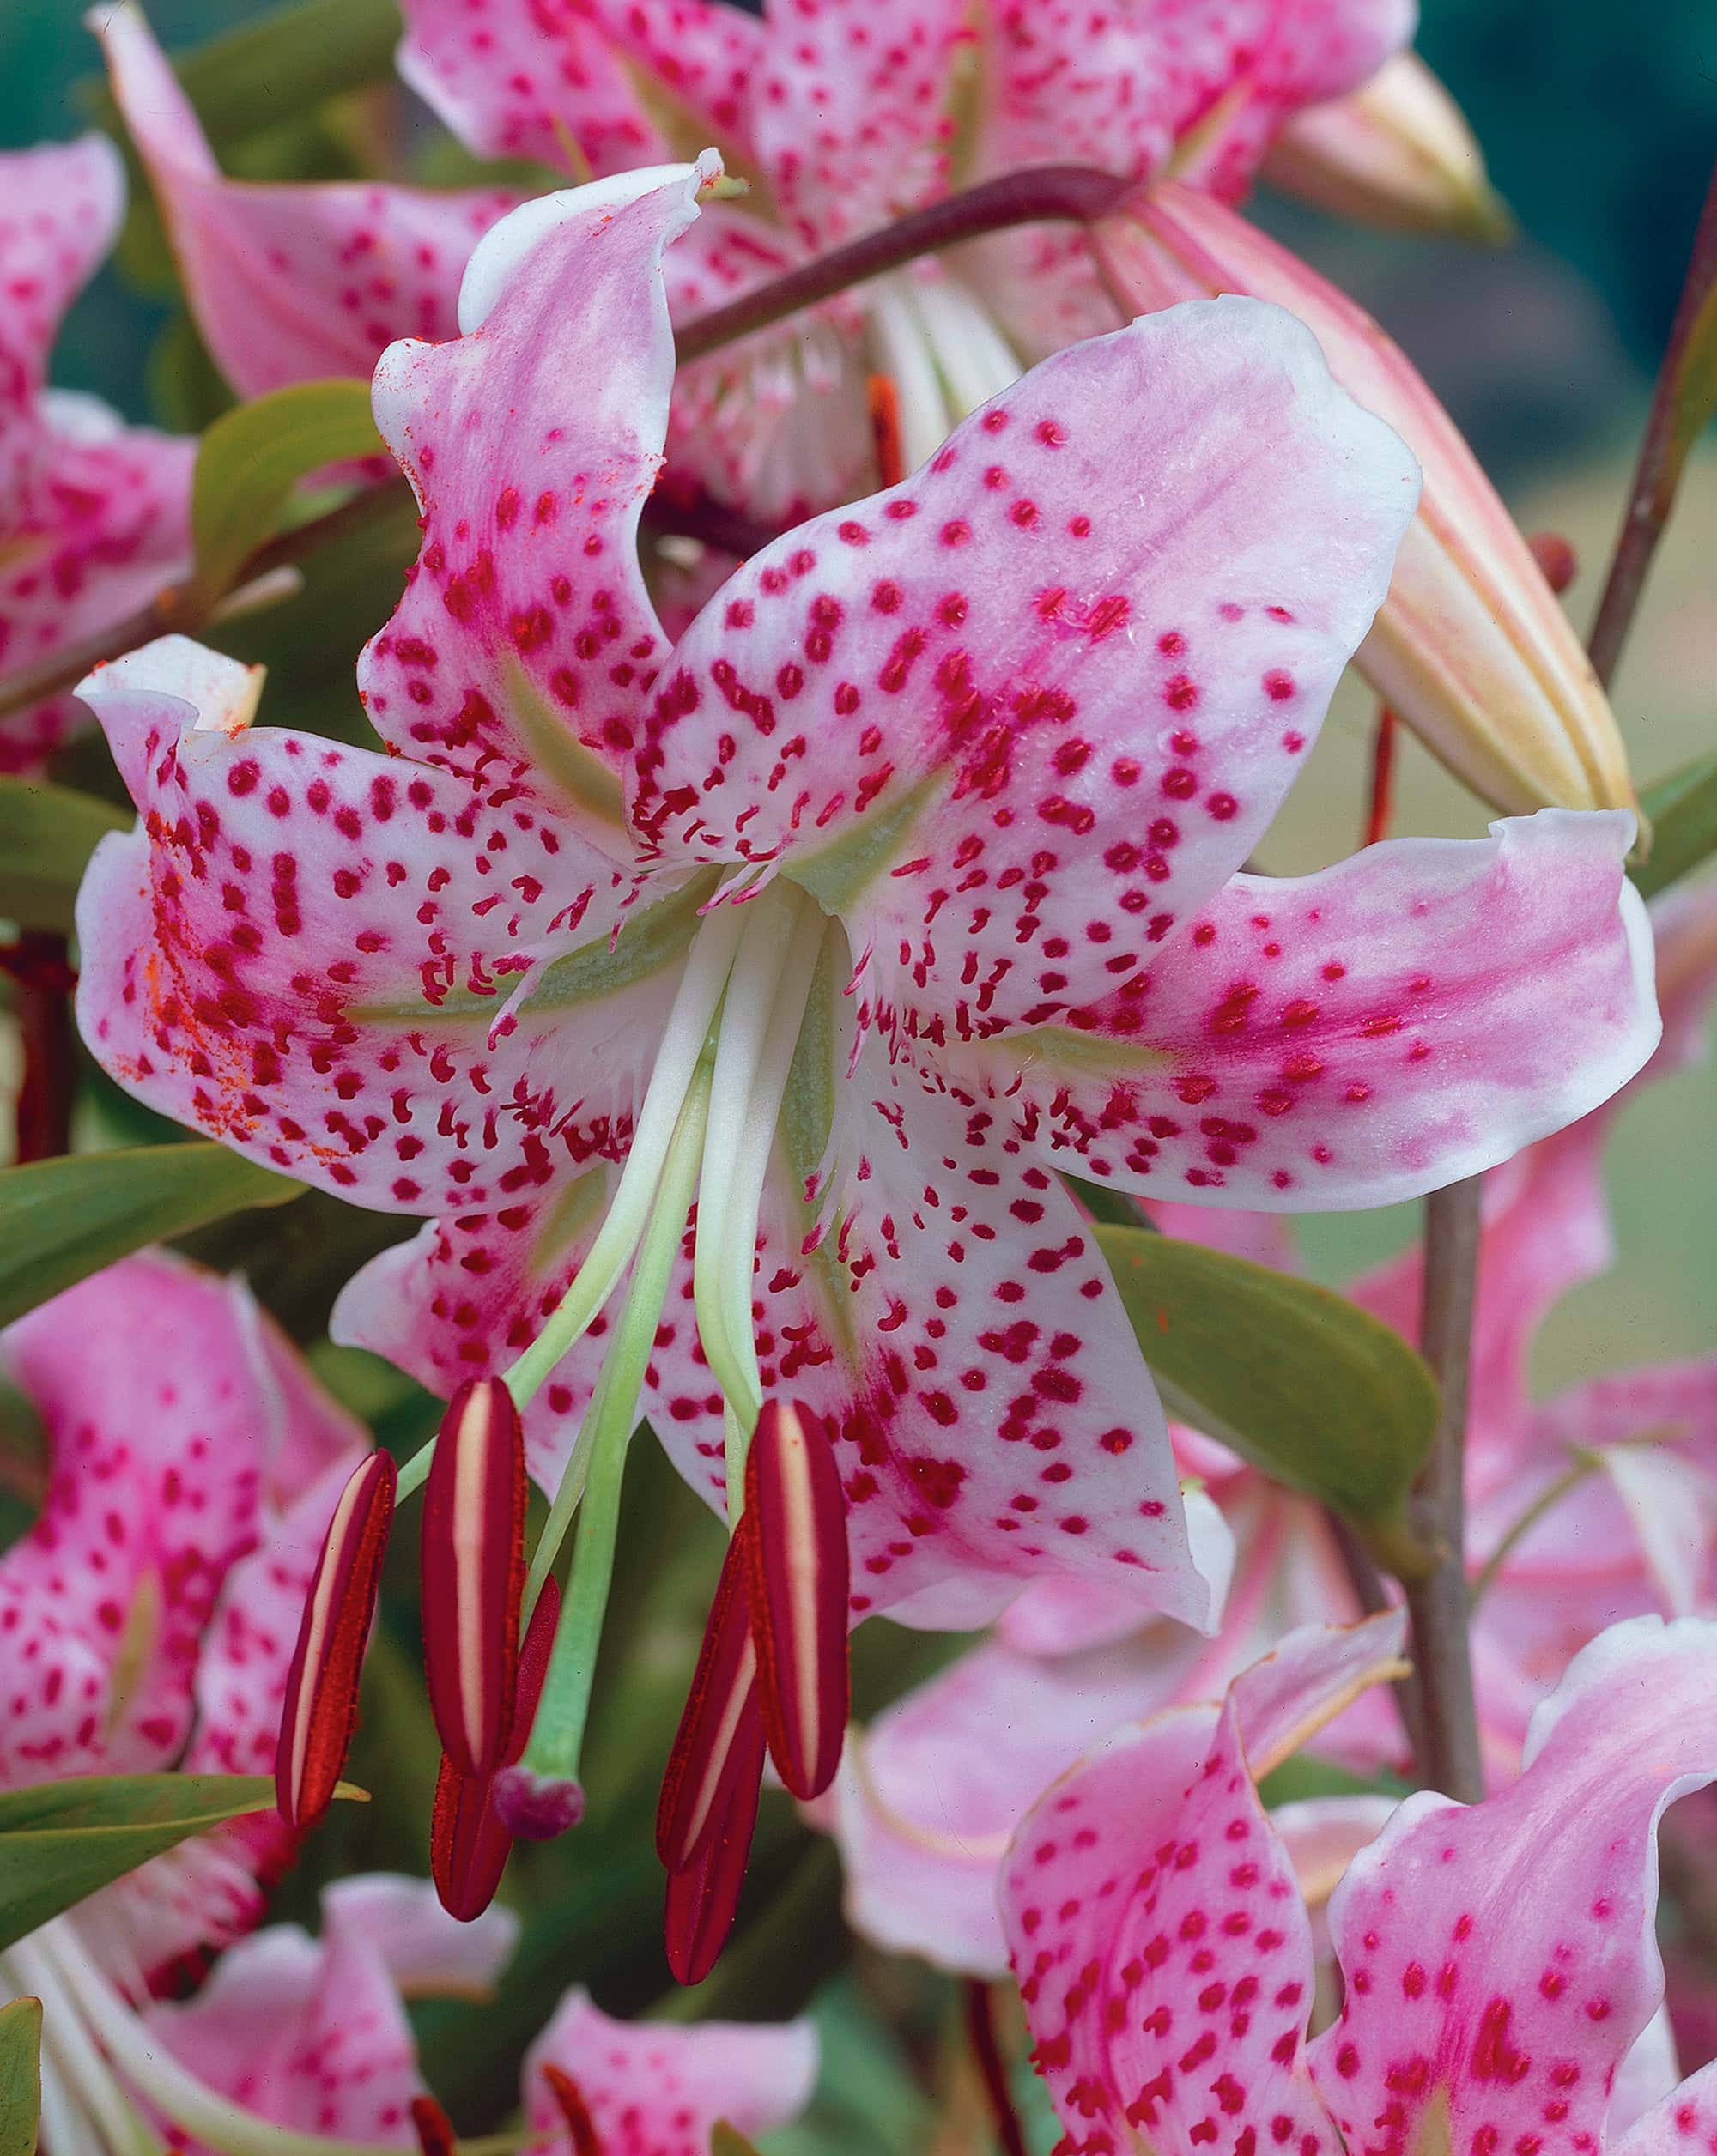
(1599, 123)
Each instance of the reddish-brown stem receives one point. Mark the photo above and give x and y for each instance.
(1043, 194)
(1662, 456)
(43, 981)
(1381, 803)
(980, 2003)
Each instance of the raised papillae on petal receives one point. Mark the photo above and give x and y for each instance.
(288, 282)
(1492, 2014)
(1017, 717)
(797, 1582)
(526, 642)
(472, 1563)
(321, 1707)
(1161, 1946)
(653, 2088)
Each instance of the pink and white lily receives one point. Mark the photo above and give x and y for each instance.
(1165, 1956)
(148, 1615)
(94, 516)
(910, 875)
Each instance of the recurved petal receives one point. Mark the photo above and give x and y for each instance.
(530, 79)
(526, 644)
(1685, 2122)
(1413, 1015)
(1497, 2012)
(655, 2089)
(1018, 716)
(308, 951)
(63, 204)
(289, 283)
(1163, 1951)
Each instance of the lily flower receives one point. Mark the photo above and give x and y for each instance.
(94, 515)
(149, 1614)
(1166, 1960)
(910, 875)
(1595, 1505)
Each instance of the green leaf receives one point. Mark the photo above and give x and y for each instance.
(1303, 1383)
(276, 67)
(62, 1219)
(47, 834)
(20, 2076)
(252, 457)
(60, 1840)
(1306, 1775)
(1682, 812)
(728, 2141)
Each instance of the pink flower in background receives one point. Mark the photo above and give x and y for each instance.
(474, 978)
(1166, 1959)
(94, 516)
(148, 1615)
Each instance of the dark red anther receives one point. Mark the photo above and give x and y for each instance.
(320, 1711)
(468, 1843)
(884, 402)
(721, 1690)
(473, 1570)
(797, 1582)
(1555, 555)
(570, 2098)
(703, 1895)
(434, 2130)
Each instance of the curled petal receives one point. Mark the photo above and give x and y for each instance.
(473, 1573)
(796, 1579)
(320, 1711)
(1413, 1015)
(63, 202)
(716, 1724)
(703, 1896)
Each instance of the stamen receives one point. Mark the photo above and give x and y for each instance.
(320, 1712)
(971, 355)
(884, 402)
(718, 1704)
(797, 1581)
(434, 2130)
(903, 352)
(567, 2093)
(703, 1897)
(473, 1561)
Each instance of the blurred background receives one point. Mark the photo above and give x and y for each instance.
(1599, 123)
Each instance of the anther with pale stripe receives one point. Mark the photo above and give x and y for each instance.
(703, 1894)
(320, 1711)
(720, 1698)
(473, 1573)
(796, 1581)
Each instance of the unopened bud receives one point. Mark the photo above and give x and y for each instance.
(1395, 153)
(320, 1710)
(797, 1580)
(473, 1573)
(1470, 649)
(719, 1704)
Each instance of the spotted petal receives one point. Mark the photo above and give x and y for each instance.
(1684, 2124)
(1500, 2015)
(1163, 1951)
(1411, 1015)
(525, 641)
(655, 2089)
(63, 204)
(308, 951)
(288, 283)
(1018, 716)
(312, 2034)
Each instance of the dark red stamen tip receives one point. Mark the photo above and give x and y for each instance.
(580, 2126)
(1557, 558)
(473, 1569)
(320, 1710)
(469, 1840)
(703, 1896)
(721, 1689)
(796, 1583)
(884, 402)
(435, 2136)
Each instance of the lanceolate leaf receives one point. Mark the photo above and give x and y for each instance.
(60, 1840)
(1682, 812)
(251, 458)
(20, 2076)
(1312, 1390)
(62, 1219)
(47, 834)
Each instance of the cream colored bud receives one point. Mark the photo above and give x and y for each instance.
(1471, 648)
(1396, 153)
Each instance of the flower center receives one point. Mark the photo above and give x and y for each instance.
(937, 343)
